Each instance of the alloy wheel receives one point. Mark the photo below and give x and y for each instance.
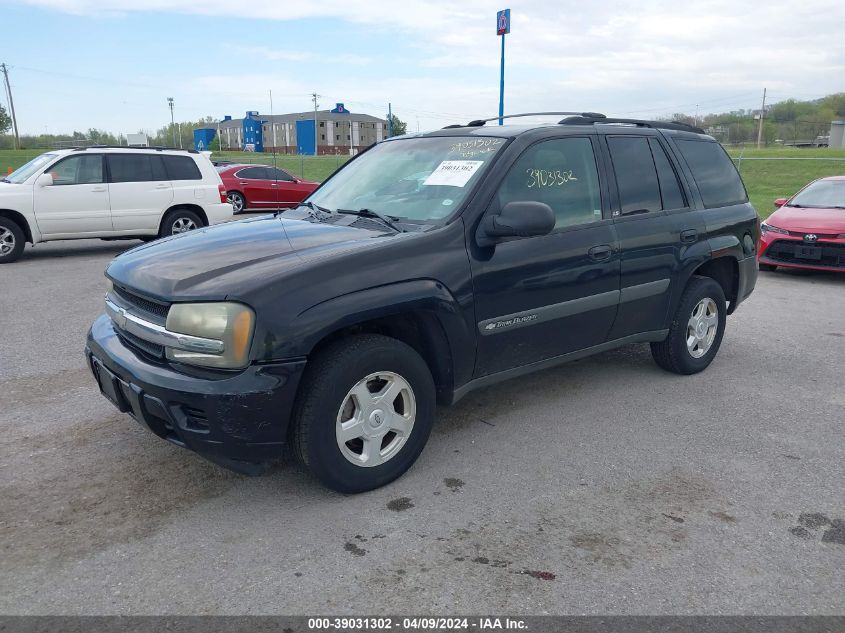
(7, 241)
(702, 327)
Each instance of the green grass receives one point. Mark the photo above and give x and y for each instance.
(764, 179)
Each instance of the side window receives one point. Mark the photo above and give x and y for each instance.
(278, 174)
(561, 173)
(670, 188)
(714, 173)
(253, 173)
(636, 176)
(159, 172)
(130, 167)
(78, 170)
(181, 168)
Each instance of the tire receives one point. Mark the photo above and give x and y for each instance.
(237, 200)
(12, 241)
(367, 364)
(768, 268)
(179, 221)
(701, 297)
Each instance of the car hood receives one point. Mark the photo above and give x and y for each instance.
(814, 220)
(214, 262)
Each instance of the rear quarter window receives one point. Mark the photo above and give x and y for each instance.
(181, 168)
(714, 173)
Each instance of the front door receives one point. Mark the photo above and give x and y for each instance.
(653, 223)
(289, 191)
(78, 200)
(540, 297)
(140, 191)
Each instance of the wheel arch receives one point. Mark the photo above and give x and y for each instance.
(18, 218)
(724, 271)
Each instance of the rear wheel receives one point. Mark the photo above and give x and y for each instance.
(696, 330)
(364, 413)
(237, 201)
(179, 221)
(12, 241)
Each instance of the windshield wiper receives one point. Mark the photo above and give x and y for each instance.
(387, 220)
(316, 210)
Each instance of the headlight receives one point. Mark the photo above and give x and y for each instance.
(109, 285)
(767, 228)
(231, 324)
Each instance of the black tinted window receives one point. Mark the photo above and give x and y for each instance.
(135, 168)
(670, 188)
(562, 174)
(254, 173)
(636, 176)
(714, 173)
(181, 168)
(278, 174)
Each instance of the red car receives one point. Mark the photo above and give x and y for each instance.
(807, 230)
(263, 187)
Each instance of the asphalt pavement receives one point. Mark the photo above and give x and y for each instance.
(606, 486)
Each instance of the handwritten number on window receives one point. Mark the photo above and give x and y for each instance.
(549, 178)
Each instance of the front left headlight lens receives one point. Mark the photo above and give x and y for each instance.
(230, 323)
(768, 228)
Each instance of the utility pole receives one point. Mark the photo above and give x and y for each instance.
(5, 72)
(314, 96)
(172, 123)
(760, 126)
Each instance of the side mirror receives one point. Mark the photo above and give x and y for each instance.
(44, 180)
(517, 219)
(780, 202)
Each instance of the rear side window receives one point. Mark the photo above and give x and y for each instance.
(636, 176)
(253, 173)
(714, 173)
(136, 168)
(670, 188)
(278, 174)
(181, 168)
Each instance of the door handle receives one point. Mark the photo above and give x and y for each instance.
(273, 184)
(244, 183)
(690, 236)
(600, 253)
(162, 186)
(98, 189)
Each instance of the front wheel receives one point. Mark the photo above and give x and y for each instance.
(179, 221)
(364, 413)
(11, 241)
(696, 330)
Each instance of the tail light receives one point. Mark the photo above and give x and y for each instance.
(222, 191)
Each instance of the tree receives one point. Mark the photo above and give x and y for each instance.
(399, 127)
(5, 121)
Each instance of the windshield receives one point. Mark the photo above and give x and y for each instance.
(30, 168)
(423, 179)
(824, 193)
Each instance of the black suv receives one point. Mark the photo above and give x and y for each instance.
(428, 266)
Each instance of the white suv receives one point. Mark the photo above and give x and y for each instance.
(108, 192)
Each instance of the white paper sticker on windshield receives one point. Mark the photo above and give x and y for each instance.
(454, 173)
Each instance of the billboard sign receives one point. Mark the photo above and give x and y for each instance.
(503, 22)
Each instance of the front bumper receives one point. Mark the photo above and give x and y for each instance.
(782, 250)
(239, 421)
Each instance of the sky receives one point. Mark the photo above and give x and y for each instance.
(111, 64)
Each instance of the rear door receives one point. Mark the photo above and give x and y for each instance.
(78, 200)
(256, 185)
(541, 297)
(139, 189)
(654, 221)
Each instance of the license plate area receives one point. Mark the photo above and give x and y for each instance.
(808, 252)
(109, 386)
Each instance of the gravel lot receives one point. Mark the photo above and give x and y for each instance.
(603, 486)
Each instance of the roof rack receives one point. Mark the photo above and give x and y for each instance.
(586, 119)
(154, 148)
(480, 122)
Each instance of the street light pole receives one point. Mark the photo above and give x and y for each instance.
(503, 27)
(172, 121)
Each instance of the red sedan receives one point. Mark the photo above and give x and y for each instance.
(807, 230)
(263, 187)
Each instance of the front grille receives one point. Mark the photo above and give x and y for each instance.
(832, 255)
(151, 350)
(142, 305)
